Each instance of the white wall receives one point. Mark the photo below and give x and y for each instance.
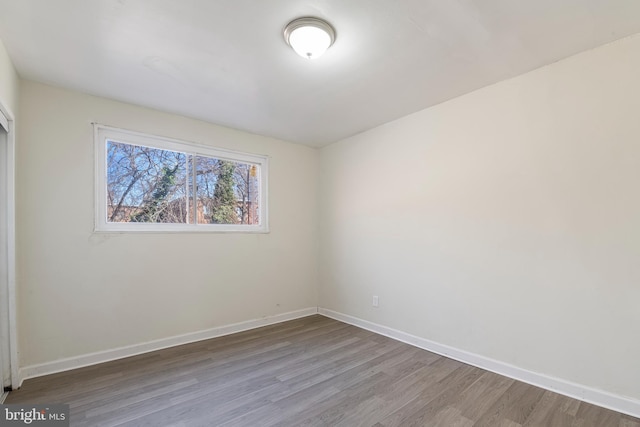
(81, 292)
(505, 223)
(9, 81)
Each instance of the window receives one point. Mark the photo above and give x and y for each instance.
(149, 183)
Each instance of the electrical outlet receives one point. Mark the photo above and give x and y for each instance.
(375, 301)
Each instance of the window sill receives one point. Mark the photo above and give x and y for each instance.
(186, 229)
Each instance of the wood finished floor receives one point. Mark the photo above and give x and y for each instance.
(308, 372)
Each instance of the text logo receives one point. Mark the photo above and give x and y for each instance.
(54, 415)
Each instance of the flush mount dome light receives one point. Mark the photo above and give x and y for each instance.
(309, 37)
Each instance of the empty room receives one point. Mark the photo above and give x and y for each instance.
(320, 213)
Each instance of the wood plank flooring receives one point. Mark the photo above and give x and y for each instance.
(313, 371)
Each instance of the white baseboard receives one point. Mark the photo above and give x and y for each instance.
(132, 350)
(625, 405)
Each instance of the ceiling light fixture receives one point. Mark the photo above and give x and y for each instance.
(309, 37)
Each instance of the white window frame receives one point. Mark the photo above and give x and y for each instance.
(104, 133)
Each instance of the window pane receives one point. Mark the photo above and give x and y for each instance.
(145, 184)
(247, 192)
(227, 192)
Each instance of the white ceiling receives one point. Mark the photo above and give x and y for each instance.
(226, 61)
